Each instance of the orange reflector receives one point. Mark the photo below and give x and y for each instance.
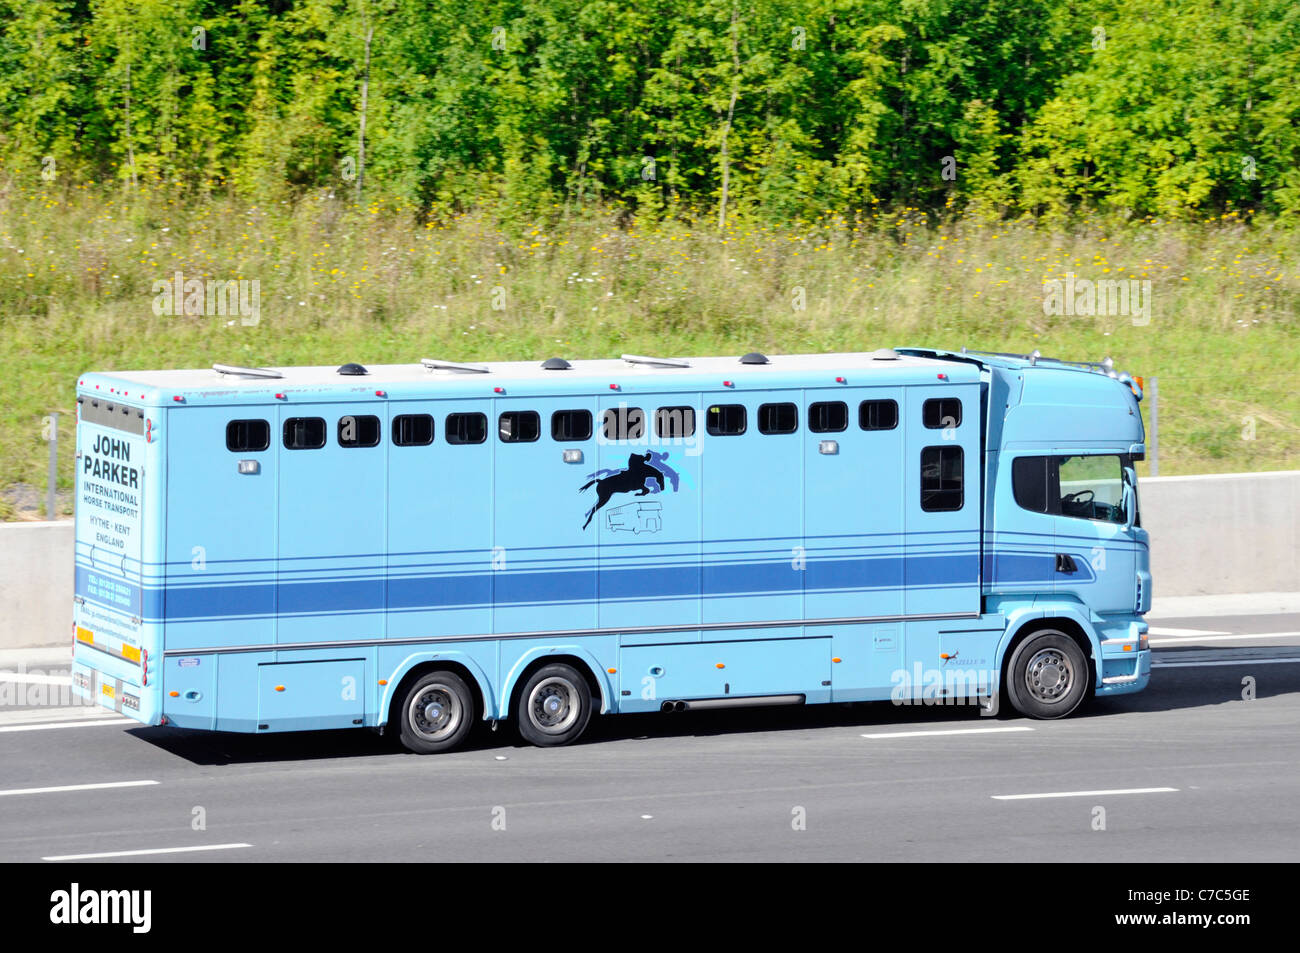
(1128, 648)
(720, 665)
(612, 671)
(174, 694)
(279, 688)
(131, 652)
(836, 660)
(383, 681)
(85, 635)
(944, 655)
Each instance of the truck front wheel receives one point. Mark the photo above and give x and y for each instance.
(1048, 675)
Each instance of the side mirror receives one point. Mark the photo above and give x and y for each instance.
(1130, 498)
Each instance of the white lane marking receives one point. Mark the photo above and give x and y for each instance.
(947, 731)
(142, 853)
(1026, 797)
(31, 678)
(1233, 661)
(86, 723)
(1163, 630)
(1226, 638)
(78, 787)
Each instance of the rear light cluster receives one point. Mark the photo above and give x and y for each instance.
(81, 680)
(130, 701)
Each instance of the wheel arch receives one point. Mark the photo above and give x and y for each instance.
(418, 663)
(1074, 622)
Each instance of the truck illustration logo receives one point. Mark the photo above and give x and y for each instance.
(639, 477)
(635, 517)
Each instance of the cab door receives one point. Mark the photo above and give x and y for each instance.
(1096, 549)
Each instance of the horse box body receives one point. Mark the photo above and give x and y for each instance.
(298, 543)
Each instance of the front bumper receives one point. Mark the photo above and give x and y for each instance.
(1125, 663)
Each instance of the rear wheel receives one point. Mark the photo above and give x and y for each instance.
(437, 713)
(554, 706)
(1048, 675)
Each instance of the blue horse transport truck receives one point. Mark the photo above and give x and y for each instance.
(420, 547)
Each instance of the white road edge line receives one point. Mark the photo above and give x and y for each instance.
(1164, 630)
(32, 678)
(78, 787)
(1234, 661)
(948, 731)
(1026, 797)
(1192, 640)
(141, 853)
(41, 726)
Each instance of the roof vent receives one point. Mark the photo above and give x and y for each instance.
(555, 364)
(352, 370)
(753, 357)
(884, 354)
(655, 361)
(235, 371)
(435, 364)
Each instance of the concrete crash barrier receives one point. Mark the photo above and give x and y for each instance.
(36, 584)
(1223, 533)
(1210, 535)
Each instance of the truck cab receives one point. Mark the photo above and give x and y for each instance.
(1062, 530)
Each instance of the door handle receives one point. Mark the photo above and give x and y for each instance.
(1065, 563)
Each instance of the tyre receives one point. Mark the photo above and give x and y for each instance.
(437, 713)
(554, 706)
(1048, 676)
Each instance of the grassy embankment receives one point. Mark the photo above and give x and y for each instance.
(371, 284)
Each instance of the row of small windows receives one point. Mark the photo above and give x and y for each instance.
(617, 423)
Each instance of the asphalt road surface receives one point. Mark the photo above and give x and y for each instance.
(1192, 769)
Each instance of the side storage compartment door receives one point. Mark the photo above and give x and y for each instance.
(301, 696)
(194, 680)
(654, 674)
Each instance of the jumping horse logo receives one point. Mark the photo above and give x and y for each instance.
(637, 477)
